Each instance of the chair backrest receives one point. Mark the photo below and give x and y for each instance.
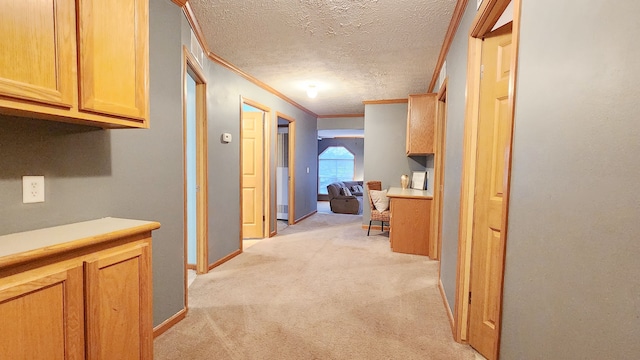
(333, 190)
(373, 185)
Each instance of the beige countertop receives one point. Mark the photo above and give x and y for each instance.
(43, 242)
(396, 192)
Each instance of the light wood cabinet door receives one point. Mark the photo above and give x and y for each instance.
(410, 225)
(42, 314)
(37, 60)
(118, 303)
(421, 121)
(113, 57)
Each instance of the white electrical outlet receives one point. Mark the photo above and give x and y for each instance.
(32, 189)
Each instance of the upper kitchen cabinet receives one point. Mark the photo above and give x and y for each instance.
(113, 57)
(82, 61)
(38, 52)
(421, 124)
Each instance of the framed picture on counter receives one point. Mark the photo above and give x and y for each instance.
(419, 180)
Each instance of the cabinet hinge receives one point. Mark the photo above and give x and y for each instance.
(263, 218)
(469, 297)
(481, 71)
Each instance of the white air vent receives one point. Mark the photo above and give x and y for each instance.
(196, 49)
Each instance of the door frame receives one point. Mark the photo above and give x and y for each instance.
(486, 18)
(441, 131)
(267, 126)
(190, 67)
(292, 166)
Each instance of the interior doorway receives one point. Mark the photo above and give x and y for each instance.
(489, 119)
(285, 170)
(195, 168)
(254, 151)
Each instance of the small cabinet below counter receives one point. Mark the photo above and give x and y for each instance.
(410, 220)
(77, 291)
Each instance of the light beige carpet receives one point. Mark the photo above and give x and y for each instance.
(321, 289)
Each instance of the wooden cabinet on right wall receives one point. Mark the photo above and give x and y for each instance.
(421, 121)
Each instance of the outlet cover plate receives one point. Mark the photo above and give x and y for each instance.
(32, 189)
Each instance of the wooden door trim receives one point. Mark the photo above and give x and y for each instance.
(440, 147)
(267, 126)
(485, 19)
(202, 207)
(292, 166)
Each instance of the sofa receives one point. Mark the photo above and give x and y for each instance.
(345, 197)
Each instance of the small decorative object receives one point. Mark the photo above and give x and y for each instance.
(419, 180)
(404, 181)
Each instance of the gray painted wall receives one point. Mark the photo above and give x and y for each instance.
(92, 173)
(75, 181)
(385, 156)
(571, 288)
(341, 123)
(225, 89)
(456, 88)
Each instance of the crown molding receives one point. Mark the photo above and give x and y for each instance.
(197, 30)
(388, 101)
(180, 3)
(458, 12)
(340, 116)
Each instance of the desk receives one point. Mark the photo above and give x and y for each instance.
(410, 220)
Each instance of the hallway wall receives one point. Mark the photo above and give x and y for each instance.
(225, 89)
(572, 243)
(571, 287)
(456, 99)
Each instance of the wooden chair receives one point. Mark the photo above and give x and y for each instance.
(376, 215)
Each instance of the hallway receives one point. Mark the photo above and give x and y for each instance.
(320, 289)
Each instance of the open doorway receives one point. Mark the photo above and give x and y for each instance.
(285, 172)
(484, 203)
(254, 151)
(195, 169)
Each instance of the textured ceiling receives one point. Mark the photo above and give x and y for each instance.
(352, 50)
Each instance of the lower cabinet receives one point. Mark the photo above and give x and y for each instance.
(91, 303)
(118, 304)
(410, 225)
(42, 314)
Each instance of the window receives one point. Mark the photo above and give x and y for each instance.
(335, 163)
